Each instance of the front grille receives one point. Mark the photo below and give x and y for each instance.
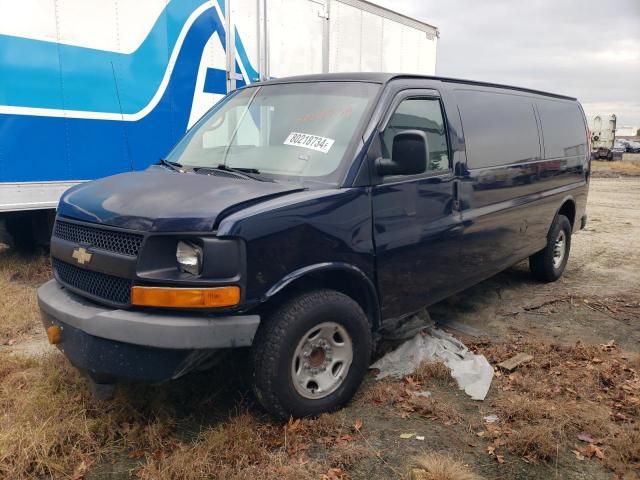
(110, 240)
(115, 290)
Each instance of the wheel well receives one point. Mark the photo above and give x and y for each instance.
(342, 281)
(568, 209)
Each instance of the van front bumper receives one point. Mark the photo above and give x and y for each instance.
(112, 345)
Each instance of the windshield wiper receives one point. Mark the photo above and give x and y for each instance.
(222, 166)
(243, 172)
(172, 165)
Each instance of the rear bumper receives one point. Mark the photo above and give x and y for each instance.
(111, 345)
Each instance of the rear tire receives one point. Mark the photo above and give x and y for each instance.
(549, 263)
(310, 355)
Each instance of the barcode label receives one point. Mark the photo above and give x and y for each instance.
(312, 142)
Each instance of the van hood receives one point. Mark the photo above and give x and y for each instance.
(163, 200)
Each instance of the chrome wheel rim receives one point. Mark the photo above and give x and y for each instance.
(559, 249)
(321, 360)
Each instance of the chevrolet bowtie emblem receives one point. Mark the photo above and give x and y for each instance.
(81, 255)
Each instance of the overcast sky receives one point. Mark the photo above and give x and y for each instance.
(588, 49)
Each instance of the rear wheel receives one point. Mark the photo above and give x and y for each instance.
(549, 263)
(310, 355)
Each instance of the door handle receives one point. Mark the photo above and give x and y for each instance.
(456, 194)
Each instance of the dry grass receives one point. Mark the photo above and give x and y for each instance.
(49, 423)
(629, 167)
(245, 447)
(624, 449)
(564, 392)
(241, 448)
(51, 427)
(434, 408)
(384, 393)
(19, 278)
(432, 370)
(402, 398)
(535, 442)
(437, 466)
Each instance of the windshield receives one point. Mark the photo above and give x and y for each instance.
(294, 131)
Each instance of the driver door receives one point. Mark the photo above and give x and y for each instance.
(417, 225)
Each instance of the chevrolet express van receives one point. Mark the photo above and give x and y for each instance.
(300, 215)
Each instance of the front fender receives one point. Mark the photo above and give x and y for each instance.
(353, 273)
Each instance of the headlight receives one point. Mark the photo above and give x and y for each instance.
(189, 257)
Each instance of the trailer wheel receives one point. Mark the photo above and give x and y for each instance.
(310, 355)
(549, 263)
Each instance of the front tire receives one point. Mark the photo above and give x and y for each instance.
(310, 355)
(549, 263)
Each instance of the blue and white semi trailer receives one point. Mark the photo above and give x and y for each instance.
(91, 88)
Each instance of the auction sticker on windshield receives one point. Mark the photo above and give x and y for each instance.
(313, 142)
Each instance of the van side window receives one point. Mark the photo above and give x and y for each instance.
(563, 128)
(420, 114)
(499, 129)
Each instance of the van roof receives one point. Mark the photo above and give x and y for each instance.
(381, 77)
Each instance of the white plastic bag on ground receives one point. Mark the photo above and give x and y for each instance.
(472, 372)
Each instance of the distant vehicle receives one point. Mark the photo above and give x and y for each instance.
(630, 146)
(618, 148)
(603, 134)
(300, 215)
(89, 89)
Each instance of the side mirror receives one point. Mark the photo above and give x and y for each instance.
(409, 156)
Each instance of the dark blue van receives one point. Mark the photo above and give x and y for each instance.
(299, 216)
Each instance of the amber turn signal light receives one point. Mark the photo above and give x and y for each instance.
(185, 297)
(54, 333)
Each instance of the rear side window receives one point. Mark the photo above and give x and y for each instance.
(420, 114)
(499, 129)
(563, 129)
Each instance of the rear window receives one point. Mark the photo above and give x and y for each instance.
(563, 129)
(499, 129)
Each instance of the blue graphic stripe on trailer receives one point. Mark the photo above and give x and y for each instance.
(30, 69)
(34, 73)
(57, 148)
(215, 81)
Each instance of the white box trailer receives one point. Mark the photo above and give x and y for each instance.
(281, 38)
(603, 134)
(91, 88)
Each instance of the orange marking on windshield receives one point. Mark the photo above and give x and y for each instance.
(344, 112)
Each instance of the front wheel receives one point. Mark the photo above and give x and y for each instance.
(310, 355)
(549, 263)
